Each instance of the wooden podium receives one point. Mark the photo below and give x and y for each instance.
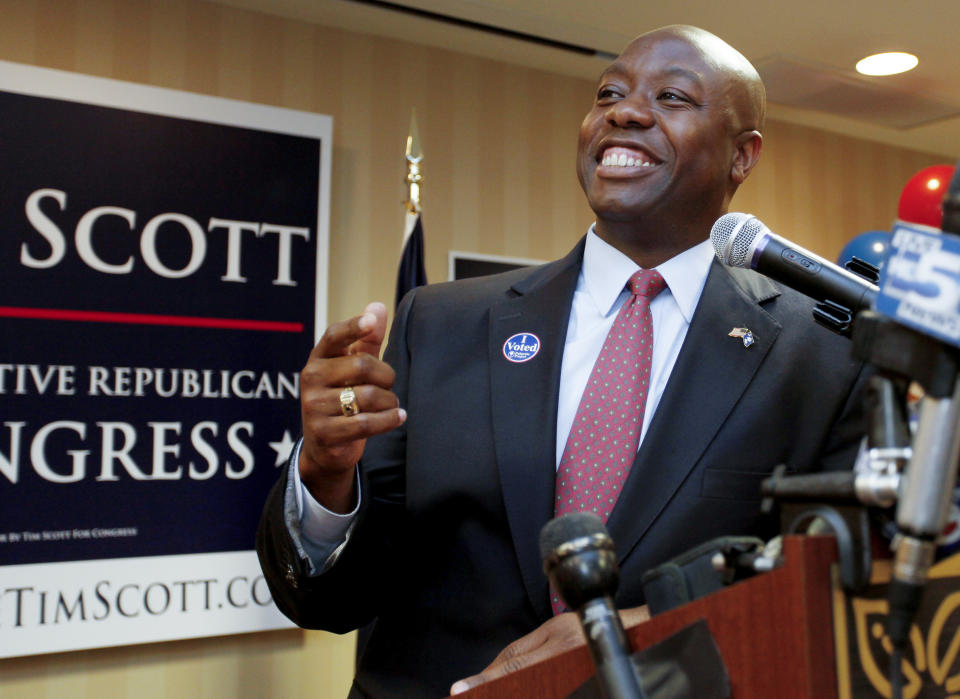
(774, 632)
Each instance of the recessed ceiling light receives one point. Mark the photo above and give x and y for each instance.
(887, 63)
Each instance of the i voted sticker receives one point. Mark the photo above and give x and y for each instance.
(521, 347)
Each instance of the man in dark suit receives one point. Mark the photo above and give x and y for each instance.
(458, 437)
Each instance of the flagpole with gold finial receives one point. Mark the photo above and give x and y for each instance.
(412, 272)
(414, 155)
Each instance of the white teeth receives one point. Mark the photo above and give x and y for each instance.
(623, 160)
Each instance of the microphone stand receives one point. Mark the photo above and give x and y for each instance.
(923, 504)
(924, 490)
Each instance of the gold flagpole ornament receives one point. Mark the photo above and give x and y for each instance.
(414, 155)
(412, 272)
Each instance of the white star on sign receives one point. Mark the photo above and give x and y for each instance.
(283, 448)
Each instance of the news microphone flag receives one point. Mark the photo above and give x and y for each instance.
(412, 273)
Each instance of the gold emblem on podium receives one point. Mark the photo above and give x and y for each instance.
(931, 666)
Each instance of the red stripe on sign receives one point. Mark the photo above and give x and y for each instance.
(146, 319)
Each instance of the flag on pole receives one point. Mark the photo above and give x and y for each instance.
(412, 272)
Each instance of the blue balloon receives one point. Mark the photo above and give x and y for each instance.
(872, 247)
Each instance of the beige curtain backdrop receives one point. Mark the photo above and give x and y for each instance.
(499, 144)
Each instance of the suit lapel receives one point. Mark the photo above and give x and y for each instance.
(711, 373)
(524, 408)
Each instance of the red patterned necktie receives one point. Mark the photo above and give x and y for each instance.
(603, 440)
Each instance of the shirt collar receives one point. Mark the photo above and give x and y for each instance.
(606, 271)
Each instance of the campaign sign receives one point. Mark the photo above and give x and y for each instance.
(920, 282)
(163, 264)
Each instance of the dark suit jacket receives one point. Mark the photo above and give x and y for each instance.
(445, 550)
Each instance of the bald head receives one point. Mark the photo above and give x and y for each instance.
(673, 131)
(747, 95)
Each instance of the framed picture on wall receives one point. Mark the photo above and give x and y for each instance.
(463, 265)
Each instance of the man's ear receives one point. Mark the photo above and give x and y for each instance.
(748, 146)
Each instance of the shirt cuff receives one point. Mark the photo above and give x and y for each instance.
(318, 534)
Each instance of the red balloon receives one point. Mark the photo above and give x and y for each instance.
(922, 196)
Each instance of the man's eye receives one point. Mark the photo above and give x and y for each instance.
(670, 96)
(608, 93)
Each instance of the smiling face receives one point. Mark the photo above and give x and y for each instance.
(669, 137)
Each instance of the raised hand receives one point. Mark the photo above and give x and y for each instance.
(333, 440)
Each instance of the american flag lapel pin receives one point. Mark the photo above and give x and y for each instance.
(745, 334)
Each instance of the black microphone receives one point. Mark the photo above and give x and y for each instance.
(580, 561)
(741, 240)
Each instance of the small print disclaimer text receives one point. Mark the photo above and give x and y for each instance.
(28, 537)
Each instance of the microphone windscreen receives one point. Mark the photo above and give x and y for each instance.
(733, 236)
(567, 528)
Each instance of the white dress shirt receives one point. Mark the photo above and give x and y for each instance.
(600, 292)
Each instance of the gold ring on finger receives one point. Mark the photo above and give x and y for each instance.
(348, 402)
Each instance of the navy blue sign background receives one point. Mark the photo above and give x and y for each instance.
(72, 337)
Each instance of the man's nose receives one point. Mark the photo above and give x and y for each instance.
(630, 112)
